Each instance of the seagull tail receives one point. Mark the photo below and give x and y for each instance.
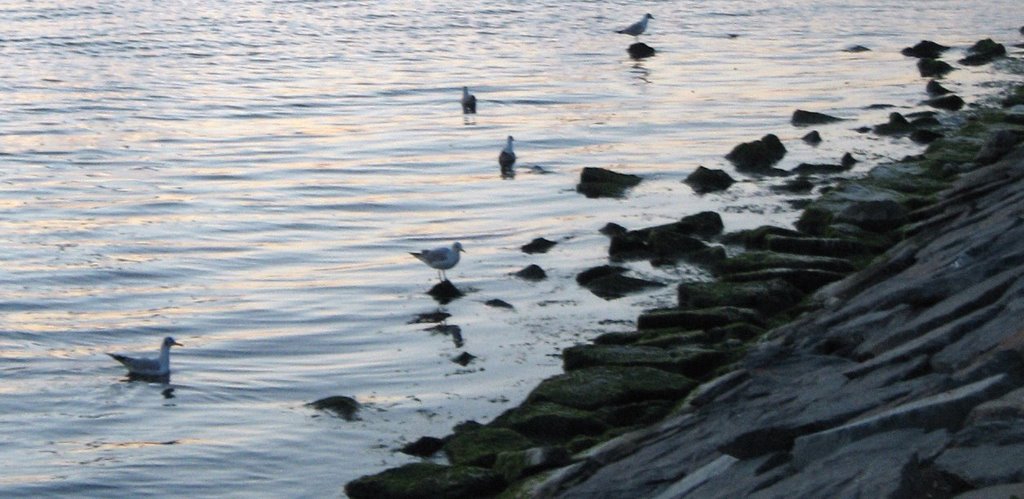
(120, 358)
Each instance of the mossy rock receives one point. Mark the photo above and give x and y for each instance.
(427, 481)
(638, 414)
(704, 318)
(518, 464)
(819, 246)
(550, 422)
(479, 447)
(346, 408)
(755, 238)
(691, 361)
(767, 297)
(604, 386)
(760, 260)
(806, 280)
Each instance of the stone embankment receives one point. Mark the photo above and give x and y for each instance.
(875, 351)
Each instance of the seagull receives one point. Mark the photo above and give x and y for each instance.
(148, 367)
(507, 158)
(636, 29)
(441, 258)
(468, 102)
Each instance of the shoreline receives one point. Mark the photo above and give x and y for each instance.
(684, 361)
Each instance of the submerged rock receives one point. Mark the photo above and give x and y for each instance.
(599, 182)
(640, 50)
(498, 303)
(936, 88)
(538, 245)
(758, 156)
(983, 52)
(532, 272)
(933, 67)
(897, 125)
(925, 49)
(344, 407)
(950, 102)
(806, 118)
(608, 282)
(813, 138)
(705, 180)
(445, 291)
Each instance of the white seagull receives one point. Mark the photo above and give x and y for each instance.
(637, 28)
(441, 259)
(507, 158)
(468, 102)
(149, 367)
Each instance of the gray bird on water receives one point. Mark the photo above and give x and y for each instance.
(636, 29)
(145, 367)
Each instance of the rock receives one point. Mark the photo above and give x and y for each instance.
(532, 272)
(667, 244)
(613, 229)
(925, 49)
(755, 238)
(498, 303)
(640, 50)
(759, 155)
(817, 246)
(480, 446)
(426, 480)
(818, 169)
(800, 185)
(538, 245)
(705, 223)
(950, 102)
(464, 359)
(761, 260)
(998, 145)
(806, 118)
(689, 361)
(936, 88)
(691, 319)
(875, 215)
(430, 317)
(806, 280)
(847, 161)
(933, 68)
(519, 464)
(768, 297)
(609, 283)
(593, 273)
(631, 245)
(599, 182)
(925, 136)
(346, 408)
(897, 125)
(597, 387)
(423, 447)
(813, 138)
(550, 422)
(445, 291)
(983, 52)
(853, 49)
(704, 180)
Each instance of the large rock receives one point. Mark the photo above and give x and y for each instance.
(933, 68)
(689, 361)
(608, 282)
(807, 118)
(480, 446)
(705, 180)
(597, 387)
(426, 481)
(758, 156)
(875, 215)
(925, 49)
(767, 297)
(983, 52)
(599, 182)
(691, 319)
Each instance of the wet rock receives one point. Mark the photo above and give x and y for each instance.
(854, 49)
(751, 261)
(755, 238)
(538, 245)
(445, 291)
(430, 317)
(597, 387)
(705, 318)
(705, 223)
(925, 136)
(550, 422)
(523, 463)
(897, 125)
(767, 297)
(667, 244)
(422, 480)
(757, 156)
(818, 169)
(423, 447)
(498, 303)
(689, 361)
(480, 446)
(813, 138)
(464, 359)
(807, 118)
(613, 229)
(875, 215)
(532, 272)
(936, 88)
(925, 49)
(608, 282)
(806, 280)
(949, 102)
(930, 68)
(847, 161)
(594, 273)
(599, 182)
(817, 246)
(801, 185)
(983, 52)
(640, 50)
(346, 408)
(705, 180)
(998, 145)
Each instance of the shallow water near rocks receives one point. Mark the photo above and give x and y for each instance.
(249, 177)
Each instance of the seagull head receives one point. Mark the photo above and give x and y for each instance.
(458, 247)
(648, 16)
(168, 342)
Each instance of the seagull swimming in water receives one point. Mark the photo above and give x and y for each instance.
(441, 259)
(636, 29)
(507, 157)
(149, 367)
(468, 102)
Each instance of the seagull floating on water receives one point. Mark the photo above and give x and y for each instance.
(507, 158)
(441, 259)
(149, 367)
(637, 28)
(468, 102)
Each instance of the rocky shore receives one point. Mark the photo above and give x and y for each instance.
(874, 350)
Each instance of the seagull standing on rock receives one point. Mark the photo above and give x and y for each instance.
(442, 258)
(636, 29)
(468, 102)
(507, 158)
(149, 367)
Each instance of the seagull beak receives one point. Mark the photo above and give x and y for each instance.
(176, 343)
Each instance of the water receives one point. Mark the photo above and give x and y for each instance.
(249, 176)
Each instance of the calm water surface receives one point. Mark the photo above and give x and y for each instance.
(249, 177)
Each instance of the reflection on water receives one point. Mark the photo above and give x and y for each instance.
(249, 177)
